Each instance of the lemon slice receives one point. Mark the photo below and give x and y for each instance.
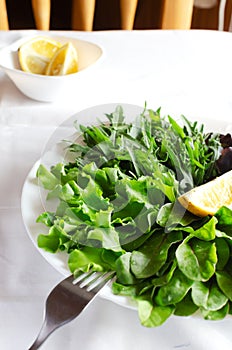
(35, 54)
(64, 61)
(208, 198)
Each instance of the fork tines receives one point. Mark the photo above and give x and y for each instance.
(93, 280)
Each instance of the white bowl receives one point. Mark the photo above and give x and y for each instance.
(50, 88)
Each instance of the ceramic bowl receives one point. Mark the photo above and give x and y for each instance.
(51, 88)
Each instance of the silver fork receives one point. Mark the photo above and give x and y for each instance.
(68, 299)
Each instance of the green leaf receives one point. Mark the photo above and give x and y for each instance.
(48, 180)
(54, 240)
(103, 218)
(197, 259)
(224, 280)
(175, 290)
(145, 220)
(91, 258)
(152, 315)
(186, 306)
(124, 274)
(49, 243)
(178, 129)
(208, 296)
(148, 259)
(208, 231)
(58, 170)
(215, 315)
(105, 238)
(173, 215)
(164, 279)
(66, 192)
(224, 217)
(221, 234)
(223, 253)
(46, 218)
(125, 290)
(92, 196)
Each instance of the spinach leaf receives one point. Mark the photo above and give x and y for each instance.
(224, 216)
(175, 290)
(224, 280)
(152, 315)
(197, 259)
(208, 295)
(151, 256)
(216, 315)
(186, 306)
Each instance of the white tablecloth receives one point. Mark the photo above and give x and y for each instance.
(183, 72)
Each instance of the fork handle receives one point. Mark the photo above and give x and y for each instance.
(45, 331)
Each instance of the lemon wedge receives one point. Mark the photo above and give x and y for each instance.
(35, 54)
(208, 198)
(64, 61)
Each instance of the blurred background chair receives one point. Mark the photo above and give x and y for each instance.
(42, 13)
(127, 14)
(3, 16)
(41, 10)
(83, 14)
(224, 8)
(177, 14)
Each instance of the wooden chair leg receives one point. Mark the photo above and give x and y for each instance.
(42, 12)
(83, 14)
(4, 25)
(128, 10)
(177, 14)
(228, 16)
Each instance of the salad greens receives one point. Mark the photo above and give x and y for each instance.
(117, 210)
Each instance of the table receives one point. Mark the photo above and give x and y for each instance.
(185, 72)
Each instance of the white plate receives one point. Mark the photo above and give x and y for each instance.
(33, 201)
